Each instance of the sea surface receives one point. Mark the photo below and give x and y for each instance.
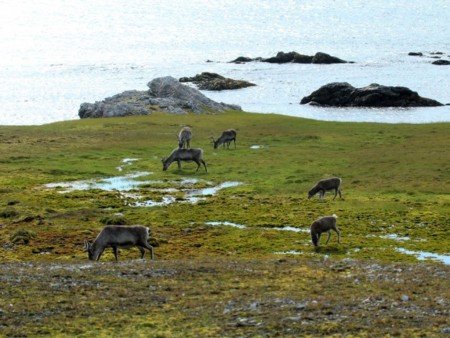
(57, 54)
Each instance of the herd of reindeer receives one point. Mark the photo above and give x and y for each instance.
(117, 236)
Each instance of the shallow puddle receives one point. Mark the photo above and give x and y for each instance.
(291, 252)
(396, 237)
(200, 194)
(126, 183)
(120, 183)
(422, 255)
(127, 161)
(257, 146)
(289, 228)
(231, 224)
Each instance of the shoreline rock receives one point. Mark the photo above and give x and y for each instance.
(342, 94)
(433, 55)
(214, 81)
(165, 94)
(294, 57)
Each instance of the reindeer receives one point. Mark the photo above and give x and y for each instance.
(324, 224)
(324, 185)
(184, 137)
(115, 236)
(179, 154)
(226, 137)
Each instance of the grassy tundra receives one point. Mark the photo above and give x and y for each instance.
(213, 279)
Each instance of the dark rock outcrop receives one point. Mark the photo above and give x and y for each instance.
(441, 62)
(165, 94)
(342, 94)
(213, 81)
(294, 57)
(415, 54)
(433, 55)
(291, 57)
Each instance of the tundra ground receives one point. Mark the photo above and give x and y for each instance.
(232, 259)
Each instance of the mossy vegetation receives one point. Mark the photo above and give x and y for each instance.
(223, 265)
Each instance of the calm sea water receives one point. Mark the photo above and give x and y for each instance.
(57, 54)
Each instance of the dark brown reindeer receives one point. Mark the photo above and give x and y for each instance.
(226, 138)
(325, 185)
(324, 224)
(179, 154)
(184, 137)
(118, 236)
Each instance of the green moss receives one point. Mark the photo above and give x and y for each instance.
(222, 280)
(22, 236)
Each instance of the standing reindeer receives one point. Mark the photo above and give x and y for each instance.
(184, 137)
(117, 236)
(325, 185)
(226, 138)
(179, 154)
(324, 224)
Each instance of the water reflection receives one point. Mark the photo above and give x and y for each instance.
(127, 183)
(231, 224)
(120, 183)
(422, 255)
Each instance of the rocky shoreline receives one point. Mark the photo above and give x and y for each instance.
(165, 94)
(294, 57)
(433, 55)
(170, 95)
(342, 94)
(213, 81)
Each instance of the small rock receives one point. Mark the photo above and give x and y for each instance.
(441, 62)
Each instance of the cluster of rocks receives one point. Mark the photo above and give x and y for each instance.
(168, 94)
(165, 94)
(213, 81)
(342, 94)
(294, 57)
(433, 55)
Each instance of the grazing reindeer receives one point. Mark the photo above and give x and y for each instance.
(226, 138)
(324, 185)
(179, 154)
(184, 137)
(115, 236)
(324, 224)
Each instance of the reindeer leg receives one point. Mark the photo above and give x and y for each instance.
(150, 248)
(329, 235)
(338, 235)
(99, 255)
(114, 248)
(179, 164)
(198, 164)
(339, 191)
(204, 164)
(335, 193)
(321, 194)
(142, 251)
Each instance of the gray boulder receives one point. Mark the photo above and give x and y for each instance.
(213, 81)
(164, 94)
(342, 94)
(127, 103)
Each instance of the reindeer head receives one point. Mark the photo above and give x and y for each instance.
(164, 162)
(88, 247)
